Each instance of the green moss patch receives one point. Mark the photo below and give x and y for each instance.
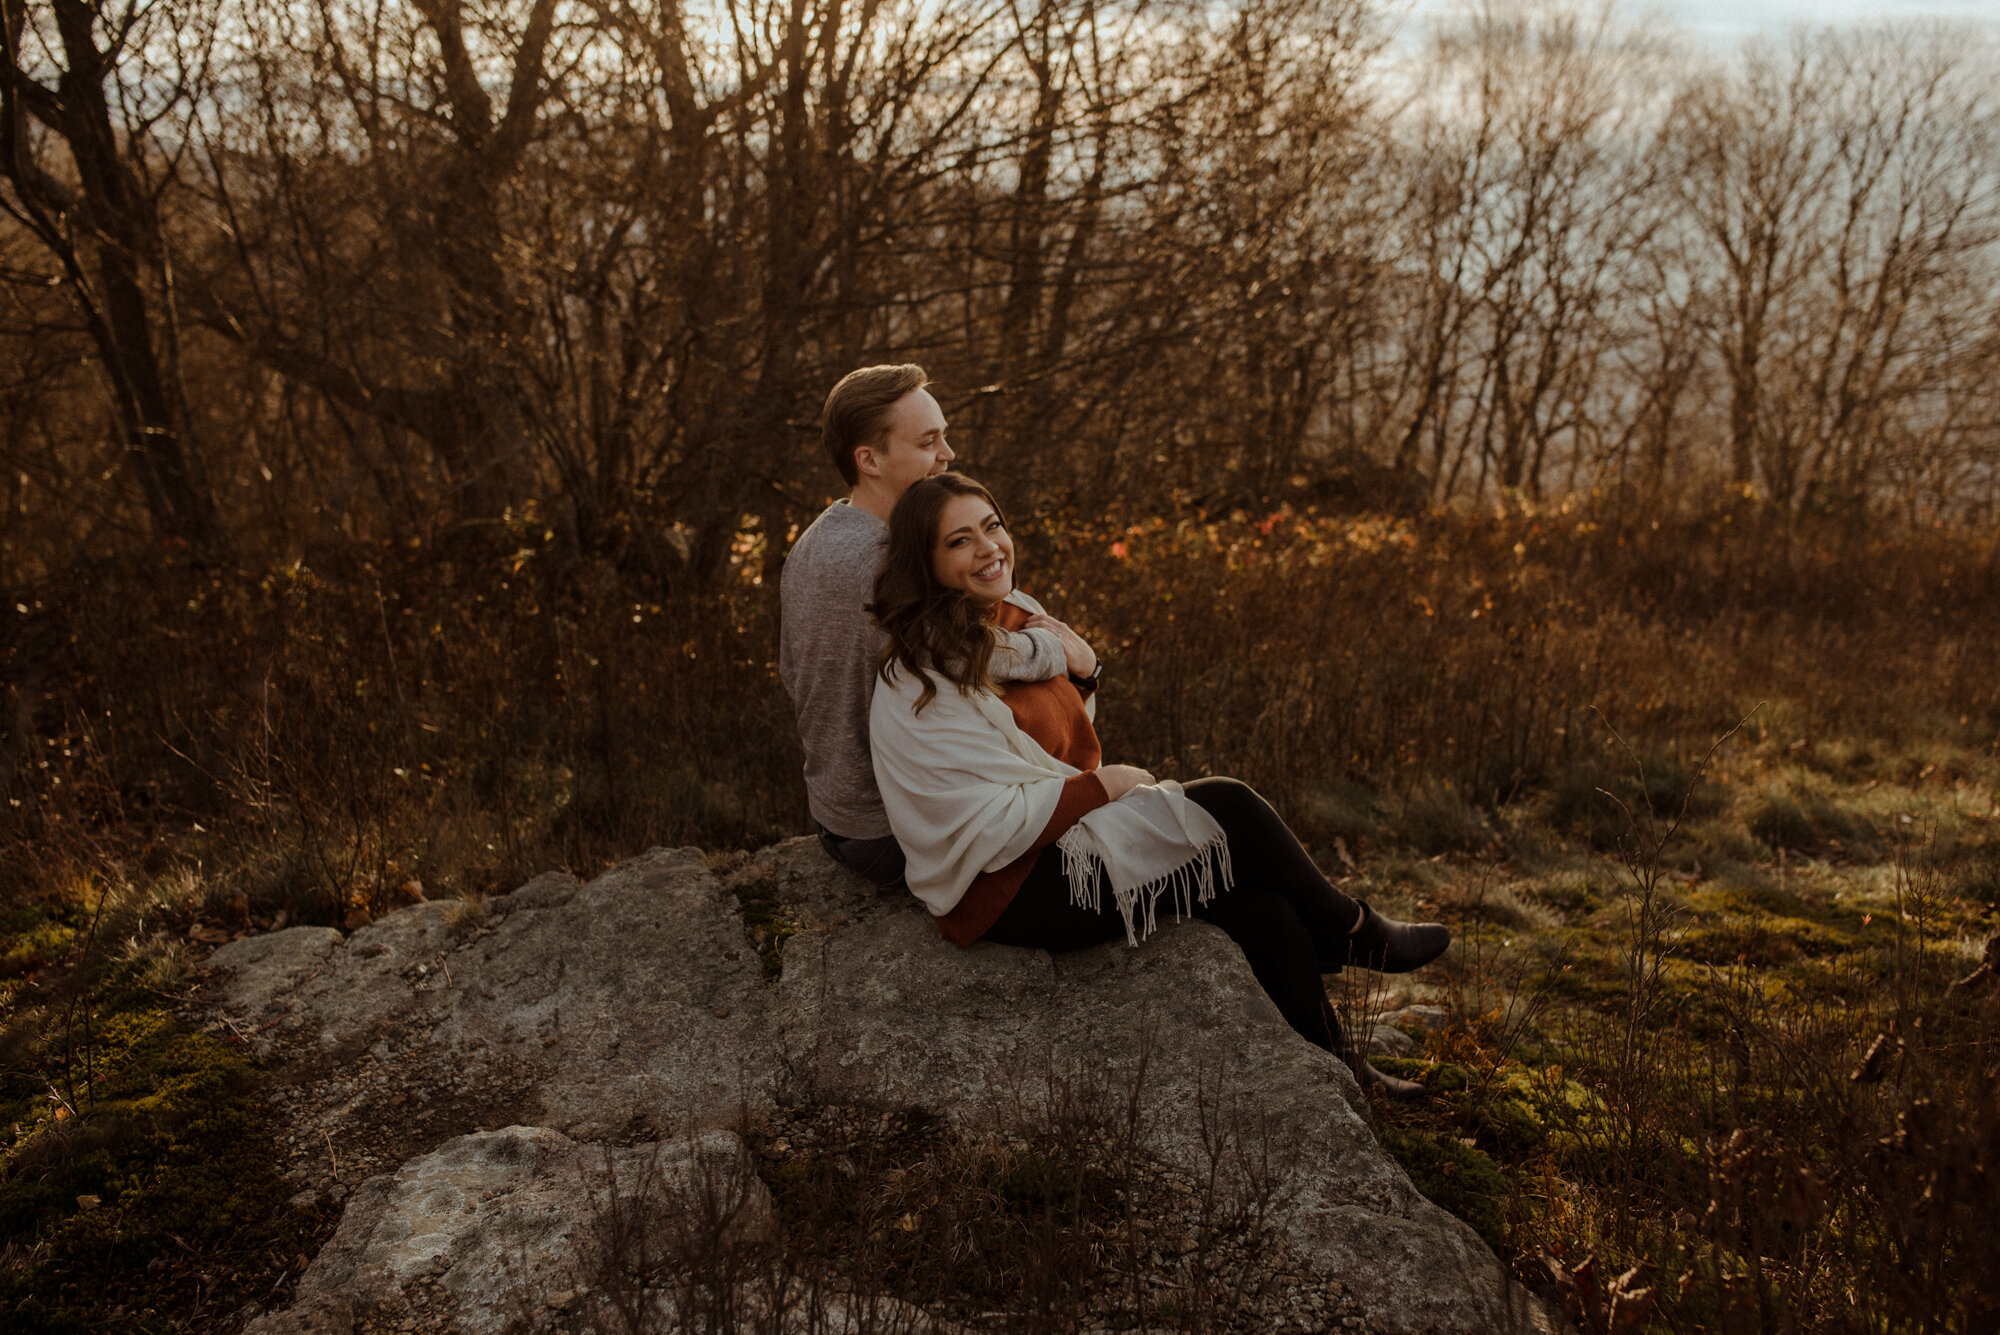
(1754, 897)
(765, 919)
(139, 1179)
(1572, 896)
(160, 1206)
(32, 943)
(1762, 942)
(1455, 1176)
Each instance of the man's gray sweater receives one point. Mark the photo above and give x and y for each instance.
(827, 652)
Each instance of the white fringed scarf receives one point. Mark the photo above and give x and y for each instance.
(967, 792)
(1150, 827)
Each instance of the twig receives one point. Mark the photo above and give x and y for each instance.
(57, 1095)
(388, 642)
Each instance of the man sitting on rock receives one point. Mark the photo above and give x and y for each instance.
(883, 431)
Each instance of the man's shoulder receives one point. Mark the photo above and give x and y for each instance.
(836, 555)
(840, 527)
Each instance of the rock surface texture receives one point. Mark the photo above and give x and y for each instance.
(471, 1080)
(493, 1231)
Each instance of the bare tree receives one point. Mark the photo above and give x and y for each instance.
(1753, 172)
(1533, 202)
(1919, 181)
(82, 88)
(409, 263)
(365, 202)
(1844, 189)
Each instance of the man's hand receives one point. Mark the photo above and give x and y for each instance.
(1119, 780)
(1082, 659)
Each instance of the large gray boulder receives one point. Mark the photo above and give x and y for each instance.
(504, 1231)
(876, 1006)
(635, 1008)
(631, 1007)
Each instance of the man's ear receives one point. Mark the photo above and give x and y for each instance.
(866, 461)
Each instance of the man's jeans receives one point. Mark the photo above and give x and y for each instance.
(880, 860)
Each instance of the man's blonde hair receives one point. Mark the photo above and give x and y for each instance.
(858, 407)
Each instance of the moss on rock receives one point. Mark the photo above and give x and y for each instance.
(1458, 1177)
(155, 1206)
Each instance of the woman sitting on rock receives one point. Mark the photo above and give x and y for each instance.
(1016, 833)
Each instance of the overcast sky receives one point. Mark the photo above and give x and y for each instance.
(1727, 22)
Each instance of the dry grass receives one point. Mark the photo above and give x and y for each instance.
(1052, 1212)
(1754, 1084)
(1654, 1061)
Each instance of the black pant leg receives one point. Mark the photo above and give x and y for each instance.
(1266, 926)
(1041, 916)
(1264, 852)
(880, 860)
(1264, 923)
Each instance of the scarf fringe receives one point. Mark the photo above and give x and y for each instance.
(1191, 883)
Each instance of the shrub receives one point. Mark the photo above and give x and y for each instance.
(1435, 818)
(1807, 822)
(1606, 805)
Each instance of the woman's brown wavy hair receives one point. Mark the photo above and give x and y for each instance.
(931, 628)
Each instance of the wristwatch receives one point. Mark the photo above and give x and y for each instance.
(1085, 685)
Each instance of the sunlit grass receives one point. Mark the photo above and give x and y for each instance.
(1456, 728)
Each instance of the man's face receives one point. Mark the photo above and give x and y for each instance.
(912, 446)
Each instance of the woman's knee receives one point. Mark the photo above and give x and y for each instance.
(1219, 793)
(1235, 804)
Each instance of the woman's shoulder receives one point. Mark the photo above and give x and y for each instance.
(898, 681)
(898, 689)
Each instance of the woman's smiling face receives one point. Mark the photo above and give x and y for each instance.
(973, 553)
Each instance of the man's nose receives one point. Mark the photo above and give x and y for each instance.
(944, 449)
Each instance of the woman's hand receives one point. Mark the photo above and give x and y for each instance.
(1082, 659)
(1119, 780)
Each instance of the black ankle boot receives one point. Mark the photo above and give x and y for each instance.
(1388, 946)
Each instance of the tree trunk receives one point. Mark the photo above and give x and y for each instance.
(102, 230)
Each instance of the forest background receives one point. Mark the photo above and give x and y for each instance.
(405, 408)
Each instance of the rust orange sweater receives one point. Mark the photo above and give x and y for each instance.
(1051, 712)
